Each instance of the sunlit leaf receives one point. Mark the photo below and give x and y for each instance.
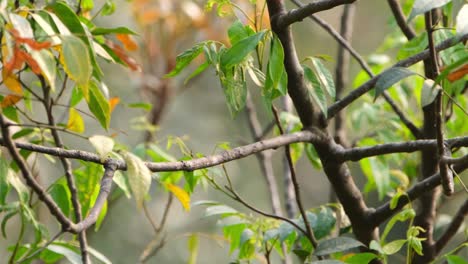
(315, 89)
(360, 258)
(180, 194)
(324, 76)
(239, 51)
(103, 145)
(75, 121)
(18, 185)
(46, 62)
(423, 6)
(71, 255)
(75, 59)
(10, 100)
(139, 177)
(429, 92)
(393, 247)
(122, 182)
(462, 20)
(12, 82)
(193, 248)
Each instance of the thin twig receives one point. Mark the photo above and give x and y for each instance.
(451, 231)
(400, 19)
(310, 233)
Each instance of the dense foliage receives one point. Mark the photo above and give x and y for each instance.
(405, 125)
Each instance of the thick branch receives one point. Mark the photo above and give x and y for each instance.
(369, 85)
(400, 19)
(30, 181)
(299, 14)
(382, 213)
(355, 154)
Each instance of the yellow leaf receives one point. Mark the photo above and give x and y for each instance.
(10, 100)
(180, 194)
(75, 121)
(12, 83)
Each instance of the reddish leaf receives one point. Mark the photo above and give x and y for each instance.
(458, 74)
(120, 52)
(10, 100)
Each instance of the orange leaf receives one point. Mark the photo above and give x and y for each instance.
(11, 82)
(458, 74)
(149, 16)
(37, 45)
(10, 100)
(129, 43)
(131, 63)
(113, 102)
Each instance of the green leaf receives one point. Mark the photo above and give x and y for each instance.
(99, 105)
(324, 76)
(4, 185)
(239, 51)
(184, 59)
(66, 16)
(313, 156)
(423, 6)
(118, 30)
(122, 182)
(402, 216)
(237, 31)
(192, 244)
(144, 106)
(201, 68)
(315, 89)
(76, 96)
(75, 59)
(275, 66)
(103, 145)
(337, 244)
(389, 78)
(70, 254)
(327, 261)
(454, 259)
(235, 89)
(87, 5)
(42, 20)
(429, 92)
(414, 46)
(223, 210)
(361, 258)
(393, 247)
(46, 61)
(19, 186)
(61, 196)
(462, 21)
(139, 177)
(108, 8)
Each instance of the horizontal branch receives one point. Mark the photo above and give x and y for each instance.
(189, 165)
(383, 212)
(355, 154)
(367, 86)
(300, 13)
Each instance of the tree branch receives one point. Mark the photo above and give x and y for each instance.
(190, 165)
(383, 212)
(345, 44)
(355, 154)
(400, 19)
(310, 233)
(299, 14)
(369, 85)
(452, 229)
